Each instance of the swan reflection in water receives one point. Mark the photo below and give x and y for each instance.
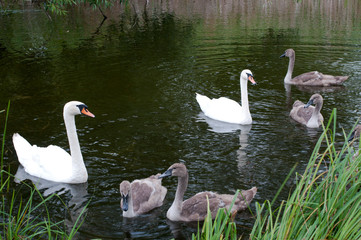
(78, 193)
(223, 127)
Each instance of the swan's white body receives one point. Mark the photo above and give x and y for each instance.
(53, 163)
(227, 110)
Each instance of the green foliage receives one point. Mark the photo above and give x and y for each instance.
(325, 204)
(58, 6)
(3, 141)
(23, 218)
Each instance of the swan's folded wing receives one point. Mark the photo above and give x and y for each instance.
(141, 193)
(195, 208)
(51, 162)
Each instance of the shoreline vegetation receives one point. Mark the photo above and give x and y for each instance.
(324, 203)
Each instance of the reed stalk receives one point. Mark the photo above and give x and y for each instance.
(3, 142)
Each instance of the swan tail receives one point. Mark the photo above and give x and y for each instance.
(341, 79)
(203, 101)
(245, 198)
(22, 147)
(248, 195)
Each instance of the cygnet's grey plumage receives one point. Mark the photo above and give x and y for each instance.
(195, 208)
(141, 196)
(306, 114)
(314, 78)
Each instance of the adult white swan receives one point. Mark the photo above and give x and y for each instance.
(53, 163)
(227, 110)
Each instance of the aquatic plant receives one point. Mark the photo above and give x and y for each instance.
(325, 203)
(3, 141)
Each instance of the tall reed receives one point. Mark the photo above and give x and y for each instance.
(325, 204)
(3, 141)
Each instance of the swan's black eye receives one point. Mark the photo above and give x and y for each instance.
(82, 106)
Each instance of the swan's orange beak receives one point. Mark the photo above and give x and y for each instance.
(85, 111)
(251, 79)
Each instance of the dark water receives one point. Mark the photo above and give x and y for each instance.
(138, 73)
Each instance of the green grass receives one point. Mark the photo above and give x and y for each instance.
(324, 204)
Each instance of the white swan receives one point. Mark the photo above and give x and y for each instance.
(141, 195)
(53, 163)
(195, 208)
(227, 110)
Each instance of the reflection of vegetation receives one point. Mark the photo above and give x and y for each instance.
(325, 203)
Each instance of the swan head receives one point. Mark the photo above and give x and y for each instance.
(124, 189)
(288, 53)
(176, 170)
(248, 76)
(315, 99)
(76, 108)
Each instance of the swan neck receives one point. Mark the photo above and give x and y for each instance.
(244, 94)
(291, 64)
(314, 120)
(130, 205)
(179, 195)
(75, 152)
(316, 111)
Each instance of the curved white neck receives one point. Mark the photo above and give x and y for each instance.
(291, 64)
(244, 94)
(75, 152)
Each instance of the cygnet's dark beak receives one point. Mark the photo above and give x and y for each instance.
(125, 203)
(309, 104)
(166, 173)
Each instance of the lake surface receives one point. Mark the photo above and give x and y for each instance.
(138, 72)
